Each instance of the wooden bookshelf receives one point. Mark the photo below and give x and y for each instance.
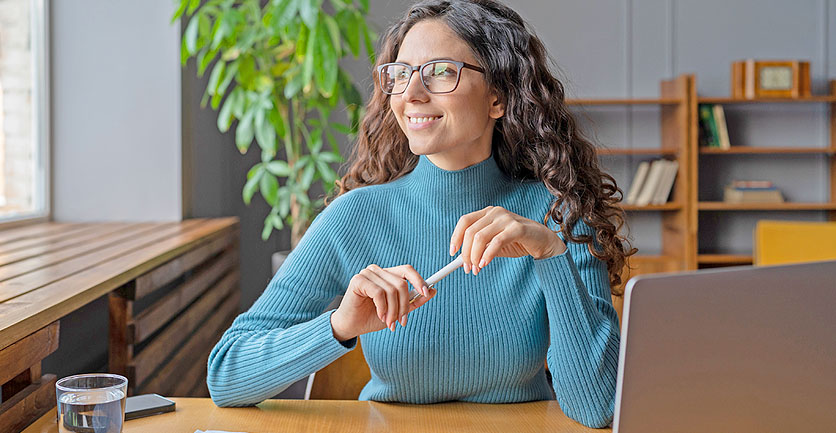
(828, 150)
(724, 259)
(742, 150)
(675, 100)
(727, 101)
(788, 206)
(639, 151)
(638, 101)
(653, 207)
(680, 223)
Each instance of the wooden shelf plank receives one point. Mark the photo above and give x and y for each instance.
(725, 259)
(637, 151)
(765, 150)
(666, 206)
(722, 206)
(726, 100)
(625, 101)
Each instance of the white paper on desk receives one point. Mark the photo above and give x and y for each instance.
(213, 431)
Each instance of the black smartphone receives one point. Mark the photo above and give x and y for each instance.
(138, 406)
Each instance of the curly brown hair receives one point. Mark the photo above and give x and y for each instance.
(536, 139)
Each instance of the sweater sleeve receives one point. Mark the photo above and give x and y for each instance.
(583, 332)
(285, 336)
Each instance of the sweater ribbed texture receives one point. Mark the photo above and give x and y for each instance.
(481, 339)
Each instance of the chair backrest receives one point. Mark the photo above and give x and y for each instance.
(342, 379)
(784, 242)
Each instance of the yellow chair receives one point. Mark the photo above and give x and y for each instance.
(782, 242)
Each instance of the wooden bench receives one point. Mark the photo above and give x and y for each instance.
(172, 287)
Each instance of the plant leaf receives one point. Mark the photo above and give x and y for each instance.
(279, 168)
(308, 65)
(268, 229)
(265, 133)
(252, 183)
(244, 132)
(225, 115)
(309, 11)
(269, 188)
(215, 77)
(190, 35)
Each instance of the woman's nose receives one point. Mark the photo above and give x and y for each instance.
(415, 90)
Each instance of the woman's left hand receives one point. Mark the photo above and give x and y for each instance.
(497, 232)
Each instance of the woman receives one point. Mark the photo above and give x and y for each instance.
(467, 146)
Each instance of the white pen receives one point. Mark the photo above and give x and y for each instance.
(436, 277)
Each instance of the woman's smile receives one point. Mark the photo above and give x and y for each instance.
(419, 121)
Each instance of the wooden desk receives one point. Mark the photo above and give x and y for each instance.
(349, 416)
(48, 270)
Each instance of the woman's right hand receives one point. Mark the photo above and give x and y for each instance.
(376, 298)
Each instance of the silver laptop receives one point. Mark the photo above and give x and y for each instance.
(742, 349)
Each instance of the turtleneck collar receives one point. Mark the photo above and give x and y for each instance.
(474, 184)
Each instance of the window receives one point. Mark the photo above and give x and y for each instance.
(24, 122)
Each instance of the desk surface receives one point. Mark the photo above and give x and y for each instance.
(349, 416)
(48, 270)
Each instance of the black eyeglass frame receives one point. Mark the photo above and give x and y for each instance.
(412, 69)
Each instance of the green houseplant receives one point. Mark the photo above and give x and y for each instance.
(276, 80)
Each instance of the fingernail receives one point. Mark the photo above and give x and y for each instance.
(475, 270)
(466, 268)
(426, 291)
(403, 321)
(482, 263)
(452, 249)
(392, 327)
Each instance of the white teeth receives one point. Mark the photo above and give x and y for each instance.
(422, 119)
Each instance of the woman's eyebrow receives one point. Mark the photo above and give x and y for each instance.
(430, 60)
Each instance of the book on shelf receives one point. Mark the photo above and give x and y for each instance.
(666, 184)
(652, 183)
(752, 192)
(722, 130)
(638, 181)
(712, 128)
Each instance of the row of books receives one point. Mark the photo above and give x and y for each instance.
(713, 131)
(652, 183)
(752, 191)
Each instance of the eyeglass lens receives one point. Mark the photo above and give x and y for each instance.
(438, 77)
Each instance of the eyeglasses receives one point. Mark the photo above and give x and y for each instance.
(437, 76)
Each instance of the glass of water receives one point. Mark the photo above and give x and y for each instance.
(91, 403)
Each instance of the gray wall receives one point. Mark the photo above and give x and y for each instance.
(606, 48)
(116, 135)
(116, 111)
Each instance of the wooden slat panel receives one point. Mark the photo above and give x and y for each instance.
(57, 236)
(85, 245)
(199, 343)
(27, 352)
(32, 231)
(32, 311)
(21, 381)
(155, 353)
(191, 378)
(28, 282)
(166, 273)
(154, 317)
(58, 244)
(28, 405)
(120, 311)
(201, 389)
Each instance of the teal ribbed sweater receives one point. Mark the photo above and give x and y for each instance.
(482, 338)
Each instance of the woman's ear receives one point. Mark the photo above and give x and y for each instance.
(497, 107)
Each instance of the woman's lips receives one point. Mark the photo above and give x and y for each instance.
(422, 125)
